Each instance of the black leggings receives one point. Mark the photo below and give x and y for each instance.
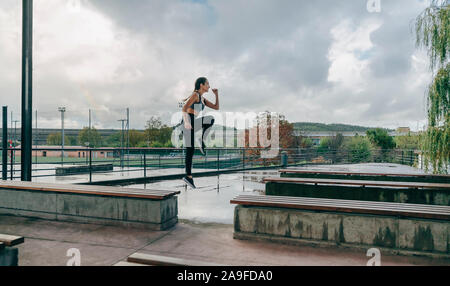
(204, 123)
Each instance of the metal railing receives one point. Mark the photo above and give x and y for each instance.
(47, 161)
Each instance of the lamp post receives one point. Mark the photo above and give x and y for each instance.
(15, 128)
(121, 142)
(13, 151)
(62, 110)
(27, 89)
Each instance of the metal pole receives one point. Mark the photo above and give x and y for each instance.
(5, 144)
(128, 137)
(35, 140)
(11, 147)
(13, 153)
(121, 146)
(90, 165)
(27, 89)
(89, 130)
(145, 166)
(122, 142)
(243, 158)
(62, 110)
(12, 164)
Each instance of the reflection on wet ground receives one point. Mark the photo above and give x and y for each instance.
(210, 201)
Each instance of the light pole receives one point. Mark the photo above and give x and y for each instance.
(27, 89)
(62, 110)
(121, 142)
(15, 127)
(13, 151)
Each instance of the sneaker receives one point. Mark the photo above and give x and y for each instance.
(189, 181)
(202, 147)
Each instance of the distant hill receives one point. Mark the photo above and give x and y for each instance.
(312, 126)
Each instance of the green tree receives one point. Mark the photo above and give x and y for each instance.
(152, 129)
(136, 138)
(332, 146)
(54, 139)
(407, 142)
(380, 138)
(306, 142)
(89, 135)
(331, 143)
(113, 140)
(72, 140)
(158, 134)
(359, 149)
(432, 31)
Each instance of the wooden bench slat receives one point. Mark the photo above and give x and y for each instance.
(355, 204)
(296, 171)
(94, 190)
(387, 205)
(377, 203)
(157, 260)
(335, 205)
(11, 240)
(406, 207)
(358, 183)
(91, 188)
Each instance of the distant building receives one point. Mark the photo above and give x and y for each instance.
(69, 152)
(402, 131)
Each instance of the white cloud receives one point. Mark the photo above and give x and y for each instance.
(348, 66)
(312, 61)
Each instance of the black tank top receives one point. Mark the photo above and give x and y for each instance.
(198, 106)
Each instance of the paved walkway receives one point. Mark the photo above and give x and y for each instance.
(47, 242)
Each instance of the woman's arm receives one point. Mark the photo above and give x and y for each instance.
(213, 106)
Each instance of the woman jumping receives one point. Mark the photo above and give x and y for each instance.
(192, 123)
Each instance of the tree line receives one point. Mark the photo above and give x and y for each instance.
(156, 134)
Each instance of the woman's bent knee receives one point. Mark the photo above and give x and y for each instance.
(208, 120)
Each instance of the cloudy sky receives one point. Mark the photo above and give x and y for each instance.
(312, 61)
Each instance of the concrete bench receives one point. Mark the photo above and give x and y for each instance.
(9, 254)
(82, 169)
(152, 209)
(426, 178)
(408, 228)
(158, 260)
(363, 190)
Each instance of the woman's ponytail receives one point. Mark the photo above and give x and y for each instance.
(198, 82)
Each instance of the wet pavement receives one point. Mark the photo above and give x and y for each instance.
(47, 242)
(48, 176)
(210, 201)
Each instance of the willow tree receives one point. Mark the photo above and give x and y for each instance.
(432, 31)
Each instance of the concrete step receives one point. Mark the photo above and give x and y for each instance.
(126, 263)
(157, 260)
(11, 240)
